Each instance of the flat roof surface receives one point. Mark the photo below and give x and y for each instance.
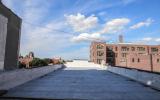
(91, 83)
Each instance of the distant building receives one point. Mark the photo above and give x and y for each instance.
(27, 59)
(56, 60)
(10, 29)
(143, 57)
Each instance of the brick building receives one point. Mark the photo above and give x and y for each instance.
(27, 59)
(56, 60)
(138, 56)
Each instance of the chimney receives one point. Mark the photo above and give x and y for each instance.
(121, 39)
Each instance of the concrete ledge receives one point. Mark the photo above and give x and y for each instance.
(17, 77)
(150, 79)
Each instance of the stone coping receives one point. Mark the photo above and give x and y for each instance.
(10, 79)
(146, 78)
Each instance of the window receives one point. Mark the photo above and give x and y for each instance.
(138, 60)
(124, 54)
(99, 61)
(158, 60)
(100, 46)
(100, 53)
(110, 54)
(132, 59)
(140, 48)
(109, 48)
(133, 48)
(154, 49)
(116, 48)
(124, 49)
(142, 53)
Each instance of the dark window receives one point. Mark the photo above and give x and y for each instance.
(124, 54)
(140, 48)
(124, 49)
(99, 61)
(133, 48)
(154, 49)
(109, 48)
(100, 46)
(157, 60)
(138, 60)
(100, 53)
(132, 59)
(116, 48)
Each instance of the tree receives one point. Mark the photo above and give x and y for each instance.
(21, 65)
(47, 60)
(37, 62)
(62, 62)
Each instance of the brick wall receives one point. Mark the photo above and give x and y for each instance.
(143, 57)
(142, 62)
(156, 63)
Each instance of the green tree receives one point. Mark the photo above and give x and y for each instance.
(21, 65)
(37, 62)
(47, 60)
(62, 62)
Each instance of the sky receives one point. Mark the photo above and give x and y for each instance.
(65, 28)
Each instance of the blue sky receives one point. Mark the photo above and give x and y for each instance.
(65, 28)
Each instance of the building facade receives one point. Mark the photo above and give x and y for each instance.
(142, 57)
(56, 60)
(10, 29)
(27, 59)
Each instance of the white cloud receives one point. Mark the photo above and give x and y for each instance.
(40, 38)
(46, 42)
(147, 39)
(157, 39)
(87, 37)
(46, 39)
(146, 23)
(115, 25)
(81, 23)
